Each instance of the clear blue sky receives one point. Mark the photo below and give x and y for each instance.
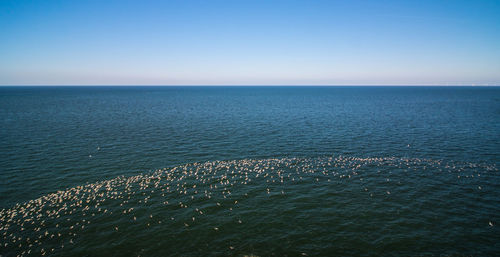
(249, 42)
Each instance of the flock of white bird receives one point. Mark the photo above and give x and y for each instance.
(54, 221)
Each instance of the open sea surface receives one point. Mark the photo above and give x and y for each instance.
(249, 171)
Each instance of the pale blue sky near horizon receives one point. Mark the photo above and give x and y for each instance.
(250, 42)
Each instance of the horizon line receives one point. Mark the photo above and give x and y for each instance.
(249, 85)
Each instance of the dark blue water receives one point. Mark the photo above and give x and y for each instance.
(274, 171)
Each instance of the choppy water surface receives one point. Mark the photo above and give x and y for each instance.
(249, 171)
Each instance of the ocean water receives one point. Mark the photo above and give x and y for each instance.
(242, 171)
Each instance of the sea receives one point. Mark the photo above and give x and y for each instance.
(249, 171)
